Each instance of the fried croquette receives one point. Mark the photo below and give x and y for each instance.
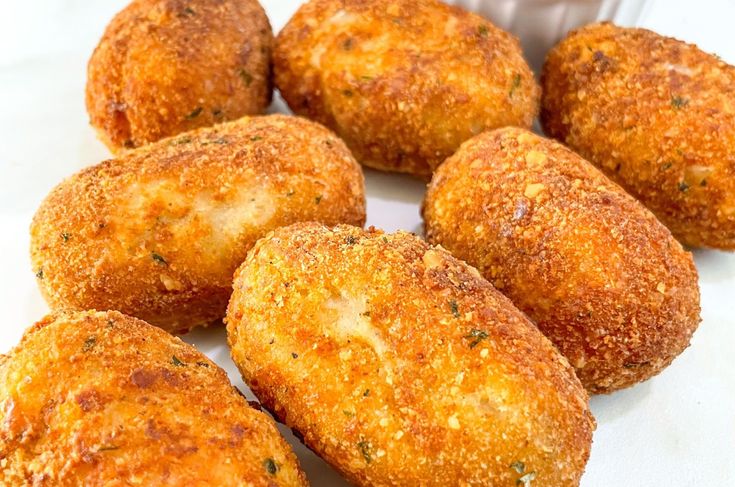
(103, 399)
(657, 115)
(401, 366)
(159, 232)
(405, 82)
(597, 272)
(167, 66)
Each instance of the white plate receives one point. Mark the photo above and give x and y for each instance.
(677, 429)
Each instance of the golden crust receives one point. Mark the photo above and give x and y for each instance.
(158, 233)
(656, 115)
(595, 270)
(103, 399)
(168, 66)
(400, 365)
(405, 82)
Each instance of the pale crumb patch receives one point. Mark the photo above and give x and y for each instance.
(484, 352)
(525, 138)
(170, 283)
(383, 422)
(345, 354)
(661, 287)
(398, 435)
(535, 157)
(533, 189)
(453, 422)
(432, 259)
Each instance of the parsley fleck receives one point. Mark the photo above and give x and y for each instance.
(679, 102)
(347, 44)
(476, 336)
(177, 363)
(39, 274)
(294, 355)
(703, 183)
(65, 236)
(129, 144)
(203, 364)
(194, 113)
(318, 199)
(89, 343)
(290, 192)
(351, 240)
(217, 112)
(347, 93)
(666, 166)
(518, 466)
(367, 78)
(109, 448)
(247, 78)
(255, 138)
(364, 448)
(347, 413)
(482, 30)
(366, 393)
(515, 85)
(454, 308)
(683, 187)
(158, 258)
(181, 140)
(187, 11)
(385, 239)
(270, 466)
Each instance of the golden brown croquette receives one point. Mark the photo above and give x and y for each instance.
(404, 82)
(103, 399)
(657, 115)
(159, 232)
(168, 66)
(400, 365)
(597, 272)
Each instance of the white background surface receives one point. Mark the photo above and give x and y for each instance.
(677, 429)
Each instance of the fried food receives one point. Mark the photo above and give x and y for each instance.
(103, 399)
(159, 232)
(657, 116)
(404, 82)
(400, 365)
(597, 272)
(167, 66)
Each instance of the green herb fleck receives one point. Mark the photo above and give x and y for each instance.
(217, 112)
(39, 274)
(515, 85)
(294, 355)
(65, 236)
(347, 44)
(364, 448)
(351, 240)
(703, 183)
(129, 144)
(366, 313)
(109, 448)
(366, 393)
(679, 102)
(255, 138)
(476, 336)
(683, 187)
(194, 113)
(247, 78)
(89, 343)
(181, 140)
(270, 466)
(347, 93)
(666, 166)
(367, 78)
(290, 193)
(203, 364)
(385, 239)
(158, 258)
(454, 308)
(526, 479)
(347, 413)
(187, 11)
(177, 363)
(318, 199)
(518, 466)
(482, 30)
(220, 141)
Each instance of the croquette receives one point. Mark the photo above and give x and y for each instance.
(103, 399)
(404, 82)
(401, 366)
(168, 66)
(158, 233)
(592, 267)
(657, 115)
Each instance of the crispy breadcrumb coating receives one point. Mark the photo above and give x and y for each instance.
(657, 115)
(159, 232)
(404, 82)
(168, 66)
(597, 272)
(401, 366)
(103, 399)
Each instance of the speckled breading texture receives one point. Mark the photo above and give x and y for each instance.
(401, 366)
(405, 82)
(657, 116)
(103, 399)
(595, 270)
(167, 66)
(159, 232)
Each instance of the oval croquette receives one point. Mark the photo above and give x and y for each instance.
(103, 399)
(657, 115)
(401, 366)
(167, 66)
(405, 82)
(597, 272)
(158, 232)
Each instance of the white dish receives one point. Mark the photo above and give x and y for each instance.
(677, 429)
